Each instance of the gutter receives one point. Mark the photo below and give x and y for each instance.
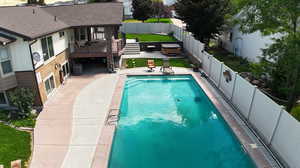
(37, 85)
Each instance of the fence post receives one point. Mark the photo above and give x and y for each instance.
(210, 63)
(251, 105)
(276, 126)
(234, 84)
(193, 43)
(221, 72)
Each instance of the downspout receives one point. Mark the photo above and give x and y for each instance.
(37, 85)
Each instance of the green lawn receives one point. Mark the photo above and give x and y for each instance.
(151, 37)
(26, 122)
(14, 145)
(142, 62)
(151, 20)
(236, 63)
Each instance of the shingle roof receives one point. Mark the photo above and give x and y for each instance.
(32, 22)
(4, 39)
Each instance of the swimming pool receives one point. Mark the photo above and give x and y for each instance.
(169, 122)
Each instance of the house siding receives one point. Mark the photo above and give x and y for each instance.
(50, 68)
(248, 46)
(60, 44)
(8, 82)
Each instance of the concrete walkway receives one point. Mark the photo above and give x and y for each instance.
(69, 126)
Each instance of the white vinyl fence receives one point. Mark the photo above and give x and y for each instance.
(278, 128)
(143, 28)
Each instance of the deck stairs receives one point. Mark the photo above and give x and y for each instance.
(132, 48)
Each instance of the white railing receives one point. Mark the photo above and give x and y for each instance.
(279, 130)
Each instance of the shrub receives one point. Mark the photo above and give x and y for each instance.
(23, 99)
(296, 112)
(171, 34)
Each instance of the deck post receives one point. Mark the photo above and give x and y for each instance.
(110, 59)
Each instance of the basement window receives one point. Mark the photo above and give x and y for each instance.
(49, 84)
(3, 99)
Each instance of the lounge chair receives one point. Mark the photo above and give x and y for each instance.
(151, 65)
(166, 68)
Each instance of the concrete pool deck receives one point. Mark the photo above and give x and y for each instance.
(67, 130)
(74, 131)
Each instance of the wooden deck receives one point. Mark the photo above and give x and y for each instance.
(97, 49)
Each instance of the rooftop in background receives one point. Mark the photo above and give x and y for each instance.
(31, 22)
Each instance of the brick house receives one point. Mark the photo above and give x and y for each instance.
(40, 45)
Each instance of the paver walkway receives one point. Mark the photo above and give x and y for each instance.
(69, 126)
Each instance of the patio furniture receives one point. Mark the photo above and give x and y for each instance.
(151, 65)
(170, 49)
(166, 68)
(150, 48)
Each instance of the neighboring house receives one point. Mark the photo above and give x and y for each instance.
(245, 45)
(39, 45)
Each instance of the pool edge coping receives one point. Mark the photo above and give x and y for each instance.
(252, 148)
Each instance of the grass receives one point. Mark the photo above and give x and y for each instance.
(296, 112)
(151, 20)
(14, 145)
(142, 62)
(25, 122)
(151, 37)
(236, 63)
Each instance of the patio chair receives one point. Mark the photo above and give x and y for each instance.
(166, 67)
(151, 65)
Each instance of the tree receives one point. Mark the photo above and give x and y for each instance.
(141, 9)
(280, 18)
(204, 18)
(158, 9)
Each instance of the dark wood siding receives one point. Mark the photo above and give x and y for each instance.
(26, 79)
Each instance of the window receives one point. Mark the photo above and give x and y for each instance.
(5, 63)
(3, 100)
(82, 33)
(230, 36)
(66, 70)
(61, 34)
(49, 84)
(47, 47)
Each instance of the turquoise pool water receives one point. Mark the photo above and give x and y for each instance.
(169, 122)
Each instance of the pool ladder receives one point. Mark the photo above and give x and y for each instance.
(112, 118)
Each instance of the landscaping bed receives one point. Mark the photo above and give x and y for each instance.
(151, 37)
(25, 122)
(14, 145)
(142, 62)
(151, 20)
(236, 63)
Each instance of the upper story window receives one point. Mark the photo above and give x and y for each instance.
(61, 34)
(82, 33)
(5, 62)
(47, 47)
